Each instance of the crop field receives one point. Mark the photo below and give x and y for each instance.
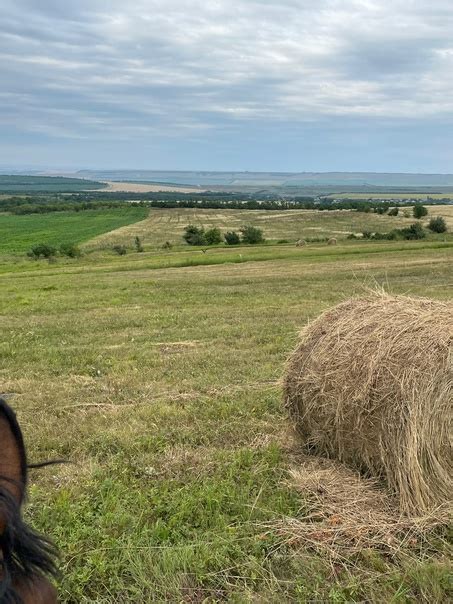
(50, 184)
(19, 233)
(447, 194)
(168, 224)
(158, 375)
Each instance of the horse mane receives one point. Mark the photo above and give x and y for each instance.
(24, 554)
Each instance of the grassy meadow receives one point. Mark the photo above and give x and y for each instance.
(158, 375)
(19, 233)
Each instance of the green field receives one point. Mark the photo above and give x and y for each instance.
(45, 184)
(158, 374)
(19, 233)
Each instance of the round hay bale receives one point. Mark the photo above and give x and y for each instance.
(332, 241)
(301, 243)
(371, 384)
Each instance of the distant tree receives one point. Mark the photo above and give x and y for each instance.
(70, 249)
(120, 250)
(419, 210)
(194, 235)
(42, 250)
(251, 234)
(393, 212)
(138, 244)
(437, 225)
(213, 236)
(232, 238)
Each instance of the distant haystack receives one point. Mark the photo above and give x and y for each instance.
(301, 243)
(332, 241)
(371, 383)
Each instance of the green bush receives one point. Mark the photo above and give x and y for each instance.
(419, 210)
(138, 244)
(70, 249)
(393, 212)
(213, 236)
(194, 235)
(367, 234)
(232, 238)
(384, 236)
(167, 245)
(42, 250)
(415, 231)
(437, 225)
(252, 235)
(119, 249)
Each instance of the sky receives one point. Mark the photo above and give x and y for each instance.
(289, 85)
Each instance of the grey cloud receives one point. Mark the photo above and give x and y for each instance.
(114, 69)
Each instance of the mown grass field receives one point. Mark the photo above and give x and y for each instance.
(168, 224)
(19, 233)
(158, 374)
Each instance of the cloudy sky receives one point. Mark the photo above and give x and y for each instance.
(227, 84)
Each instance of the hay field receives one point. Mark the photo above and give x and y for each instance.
(162, 385)
(168, 225)
(136, 187)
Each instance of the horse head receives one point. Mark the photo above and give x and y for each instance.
(27, 558)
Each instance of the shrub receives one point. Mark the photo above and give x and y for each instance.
(119, 249)
(393, 212)
(138, 244)
(437, 225)
(213, 236)
(415, 231)
(419, 210)
(232, 238)
(194, 235)
(42, 249)
(352, 236)
(251, 234)
(167, 246)
(384, 236)
(367, 234)
(70, 249)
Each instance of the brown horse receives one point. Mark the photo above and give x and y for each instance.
(27, 559)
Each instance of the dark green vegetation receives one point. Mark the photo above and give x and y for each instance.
(437, 225)
(20, 233)
(158, 373)
(419, 210)
(194, 235)
(50, 184)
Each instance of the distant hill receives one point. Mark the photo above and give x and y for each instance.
(45, 184)
(274, 179)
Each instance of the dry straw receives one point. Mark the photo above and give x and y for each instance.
(371, 384)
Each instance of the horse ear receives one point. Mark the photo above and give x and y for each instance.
(13, 461)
